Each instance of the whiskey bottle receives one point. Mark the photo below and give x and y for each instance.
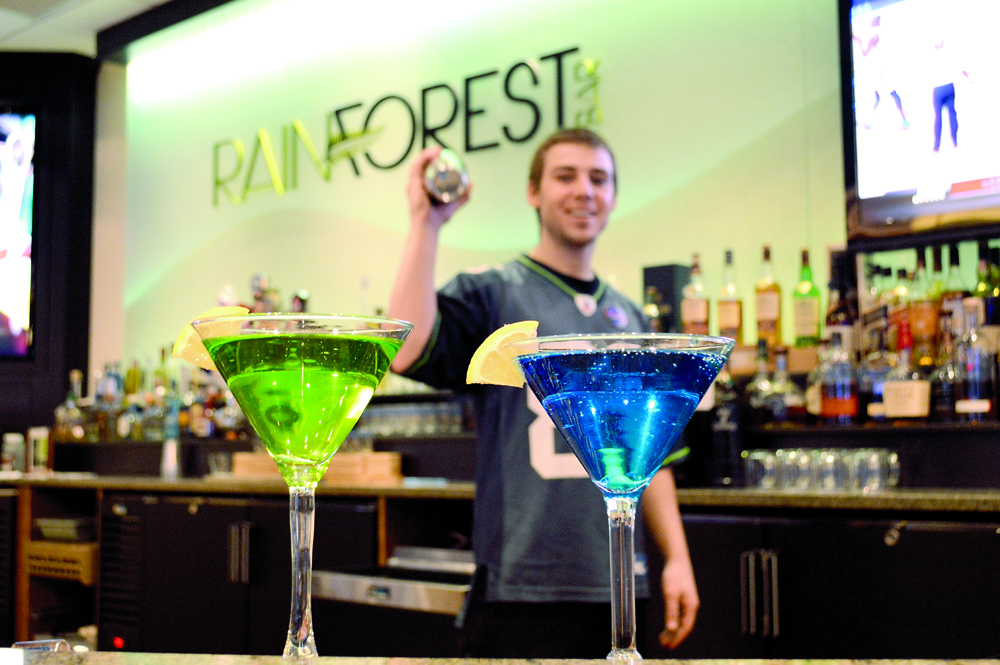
(694, 304)
(730, 307)
(906, 391)
(768, 303)
(838, 385)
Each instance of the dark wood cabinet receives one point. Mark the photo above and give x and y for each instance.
(197, 574)
(840, 587)
(717, 545)
(8, 554)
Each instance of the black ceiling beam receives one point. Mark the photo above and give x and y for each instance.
(113, 41)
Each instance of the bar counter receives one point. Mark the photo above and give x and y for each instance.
(951, 500)
(100, 658)
(909, 499)
(835, 551)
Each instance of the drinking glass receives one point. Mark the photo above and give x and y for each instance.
(621, 401)
(760, 468)
(302, 380)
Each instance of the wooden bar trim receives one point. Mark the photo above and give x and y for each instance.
(383, 532)
(22, 580)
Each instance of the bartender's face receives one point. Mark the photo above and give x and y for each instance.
(576, 193)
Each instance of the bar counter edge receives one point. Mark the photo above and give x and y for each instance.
(104, 658)
(952, 500)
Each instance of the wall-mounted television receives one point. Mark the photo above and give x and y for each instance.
(17, 161)
(46, 217)
(921, 98)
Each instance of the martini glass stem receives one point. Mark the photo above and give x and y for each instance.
(621, 529)
(301, 643)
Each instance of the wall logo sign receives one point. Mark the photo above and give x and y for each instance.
(272, 164)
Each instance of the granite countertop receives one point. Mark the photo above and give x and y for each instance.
(99, 658)
(231, 484)
(909, 499)
(958, 500)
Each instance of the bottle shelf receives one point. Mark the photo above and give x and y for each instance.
(872, 430)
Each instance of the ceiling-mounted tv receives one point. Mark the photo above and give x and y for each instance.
(921, 92)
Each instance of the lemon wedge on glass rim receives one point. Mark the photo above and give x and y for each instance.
(492, 364)
(189, 346)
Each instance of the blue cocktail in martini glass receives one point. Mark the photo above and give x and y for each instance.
(621, 401)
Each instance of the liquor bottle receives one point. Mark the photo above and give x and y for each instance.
(841, 312)
(760, 385)
(920, 281)
(975, 401)
(898, 306)
(874, 310)
(983, 286)
(109, 402)
(730, 307)
(805, 307)
(923, 311)
(991, 321)
(694, 304)
(954, 291)
(725, 467)
(839, 388)
(652, 309)
(69, 418)
(935, 287)
(161, 377)
(944, 379)
(875, 366)
(994, 272)
(153, 418)
(906, 391)
(133, 379)
(785, 402)
(768, 302)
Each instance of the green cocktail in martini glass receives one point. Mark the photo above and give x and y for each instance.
(621, 401)
(302, 380)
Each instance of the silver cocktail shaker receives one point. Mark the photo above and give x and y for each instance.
(446, 178)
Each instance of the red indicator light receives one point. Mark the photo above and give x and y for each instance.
(118, 642)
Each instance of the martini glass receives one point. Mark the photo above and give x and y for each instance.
(621, 401)
(302, 380)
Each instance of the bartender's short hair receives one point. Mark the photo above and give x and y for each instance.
(578, 135)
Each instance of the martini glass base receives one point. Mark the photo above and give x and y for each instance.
(301, 651)
(624, 656)
(621, 532)
(301, 643)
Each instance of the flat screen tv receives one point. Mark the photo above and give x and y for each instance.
(17, 152)
(921, 99)
(46, 217)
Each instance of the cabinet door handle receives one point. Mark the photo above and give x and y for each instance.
(891, 537)
(748, 592)
(239, 553)
(765, 583)
(769, 564)
(766, 572)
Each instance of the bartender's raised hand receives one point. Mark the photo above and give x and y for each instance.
(680, 596)
(423, 209)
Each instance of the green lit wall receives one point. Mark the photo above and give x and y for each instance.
(724, 117)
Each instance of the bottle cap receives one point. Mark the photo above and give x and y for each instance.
(446, 178)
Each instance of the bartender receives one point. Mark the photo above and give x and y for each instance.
(540, 529)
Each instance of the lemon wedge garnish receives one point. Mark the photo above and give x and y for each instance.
(189, 346)
(492, 364)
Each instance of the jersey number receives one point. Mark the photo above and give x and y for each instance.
(546, 462)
